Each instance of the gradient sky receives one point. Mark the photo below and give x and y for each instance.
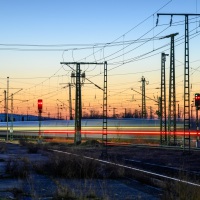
(87, 23)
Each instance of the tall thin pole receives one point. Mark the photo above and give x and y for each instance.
(78, 110)
(186, 80)
(78, 104)
(70, 102)
(144, 110)
(11, 126)
(104, 153)
(163, 113)
(172, 93)
(7, 106)
(186, 89)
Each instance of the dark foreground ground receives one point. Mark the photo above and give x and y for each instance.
(35, 172)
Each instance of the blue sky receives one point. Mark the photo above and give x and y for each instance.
(90, 22)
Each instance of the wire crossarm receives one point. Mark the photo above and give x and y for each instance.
(78, 97)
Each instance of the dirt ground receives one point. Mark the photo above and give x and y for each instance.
(42, 186)
(172, 157)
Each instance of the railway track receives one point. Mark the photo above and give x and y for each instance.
(156, 175)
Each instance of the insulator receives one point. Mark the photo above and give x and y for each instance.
(72, 74)
(83, 77)
(157, 21)
(171, 20)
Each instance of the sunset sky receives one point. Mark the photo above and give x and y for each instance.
(37, 35)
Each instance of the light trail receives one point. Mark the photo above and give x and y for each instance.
(118, 132)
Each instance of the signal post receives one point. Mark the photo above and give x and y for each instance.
(197, 105)
(40, 104)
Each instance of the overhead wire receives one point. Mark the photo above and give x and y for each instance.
(131, 28)
(104, 49)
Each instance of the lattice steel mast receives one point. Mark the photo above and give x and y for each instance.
(105, 111)
(172, 94)
(144, 111)
(163, 113)
(78, 100)
(186, 79)
(70, 102)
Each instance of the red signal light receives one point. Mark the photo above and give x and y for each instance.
(40, 104)
(197, 99)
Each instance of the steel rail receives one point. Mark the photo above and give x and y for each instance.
(131, 168)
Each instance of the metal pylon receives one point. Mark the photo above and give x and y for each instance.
(186, 80)
(78, 108)
(144, 111)
(105, 122)
(78, 102)
(172, 94)
(163, 113)
(70, 102)
(186, 90)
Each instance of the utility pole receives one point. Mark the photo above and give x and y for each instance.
(70, 102)
(145, 96)
(151, 113)
(11, 109)
(197, 105)
(104, 153)
(58, 115)
(125, 113)
(163, 113)
(6, 98)
(178, 112)
(186, 79)
(144, 110)
(78, 108)
(114, 115)
(5, 110)
(172, 94)
(70, 85)
(40, 107)
(7, 106)
(11, 125)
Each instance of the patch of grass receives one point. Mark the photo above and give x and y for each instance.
(68, 166)
(3, 148)
(23, 141)
(17, 193)
(18, 167)
(71, 166)
(93, 143)
(181, 190)
(33, 148)
(63, 193)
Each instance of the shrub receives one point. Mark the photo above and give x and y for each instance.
(64, 193)
(18, 167)
(3, 147)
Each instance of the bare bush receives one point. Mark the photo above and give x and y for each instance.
(18, 167)
(70, 166)
(3, 147)
(180, 190)
(63, 192)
